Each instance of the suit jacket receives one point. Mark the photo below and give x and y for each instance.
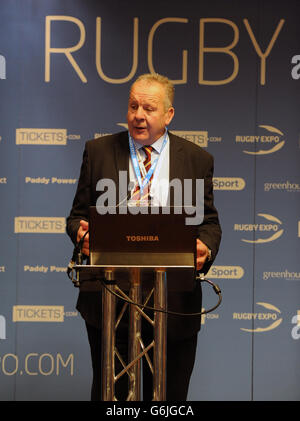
(104, 158)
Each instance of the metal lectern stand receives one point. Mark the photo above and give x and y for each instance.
(136, 348)
(130, 277)
(120, 263)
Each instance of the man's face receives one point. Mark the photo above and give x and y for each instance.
(147, 115)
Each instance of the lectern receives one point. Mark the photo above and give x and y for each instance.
(126, 249)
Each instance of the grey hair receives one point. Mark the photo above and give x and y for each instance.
(162, 80)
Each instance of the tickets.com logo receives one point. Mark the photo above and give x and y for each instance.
(30, 136)
(39, 225)
(41, 313)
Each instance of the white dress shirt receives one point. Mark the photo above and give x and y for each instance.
(160, 182)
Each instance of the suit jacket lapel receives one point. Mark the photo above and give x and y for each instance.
(176, 158)
(122, 153)
(176, 164)
(122, 164)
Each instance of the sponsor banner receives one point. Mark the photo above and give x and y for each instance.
(229, 183)
(41, 313)
(44, 269)
(287, 186)
(225, 272)
(284, 274)
(41, 136)
(270, 231)
(39, 225)
(200, 138)
(209, 316)
(268, 318)
(272, 141)
(37, 364)
(50, 180)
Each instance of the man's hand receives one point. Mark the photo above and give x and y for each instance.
(84, 227)
(202, 254)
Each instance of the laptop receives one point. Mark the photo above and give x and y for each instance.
(152, 237)
(145, 241)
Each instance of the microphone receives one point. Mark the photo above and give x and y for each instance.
(76, 259)
(77, 256)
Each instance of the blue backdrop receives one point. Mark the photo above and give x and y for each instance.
(65, 71)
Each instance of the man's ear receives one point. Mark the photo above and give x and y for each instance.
(169, 115)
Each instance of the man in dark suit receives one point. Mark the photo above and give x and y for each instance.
(150, 110)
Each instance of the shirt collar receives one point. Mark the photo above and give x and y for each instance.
(157, 145)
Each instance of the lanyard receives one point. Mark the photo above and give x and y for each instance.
(136, 165)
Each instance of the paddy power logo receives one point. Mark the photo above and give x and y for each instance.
(270, 229)
(271, 141)
(266, 320)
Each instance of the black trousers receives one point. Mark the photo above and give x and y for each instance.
(180, 362)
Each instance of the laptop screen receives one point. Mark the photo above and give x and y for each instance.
(158, 233)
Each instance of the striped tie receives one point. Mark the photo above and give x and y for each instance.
(136, 196)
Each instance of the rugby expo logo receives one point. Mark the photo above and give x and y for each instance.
(37, 136)
(269, 142)
(267, 319)
(269, 229)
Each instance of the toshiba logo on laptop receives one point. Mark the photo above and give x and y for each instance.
(142, 237)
